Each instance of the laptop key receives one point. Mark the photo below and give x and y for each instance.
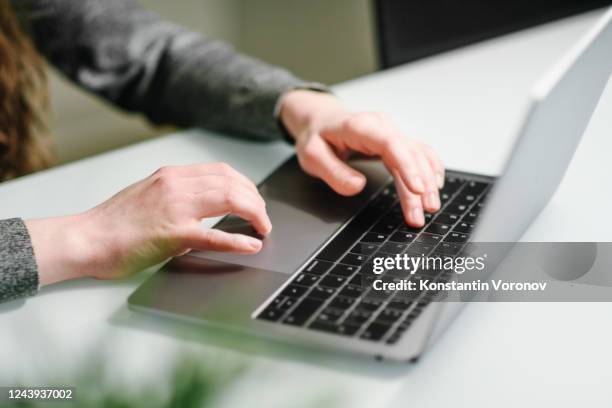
(447, 219)
(351, 291)
(342, 329)
(353, 259)
(306, 279)
(440, 229)
(341, 303)
(448, 248)
(428, 238)
(375, 331)
(364, 248)
(330, 315)
(344, 270)
(369, 305)
(399, 305)
(464, 227)
(393, 248)
(402, 237)
(283, 303)
(374, 237)
(474, 188)
(332, 281)
(444, 197)
(456, 208)
(388, 316)
(322, 293)
(452, 184)
(357, 317)
(384, 227)
(318, 267)
(354, 229)
(303, 311)
(295, 291)
(470, 217)
(419, 248)
(456, 237)
(271, 313)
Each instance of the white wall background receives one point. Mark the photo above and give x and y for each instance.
(323, 40)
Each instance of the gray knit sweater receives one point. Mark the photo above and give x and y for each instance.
(141, 63)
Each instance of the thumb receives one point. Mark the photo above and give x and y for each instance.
(319, 159)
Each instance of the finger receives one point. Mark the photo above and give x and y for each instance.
(436, 165)
(235, 200)
(372, 136)
(211, 169)
(217, 240)
(319, 159)
(410, 202)
(199, 184)
(431, 196)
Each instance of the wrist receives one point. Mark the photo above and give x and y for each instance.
(63, 247)
(301, 110)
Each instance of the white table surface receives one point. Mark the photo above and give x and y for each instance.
(468, 105)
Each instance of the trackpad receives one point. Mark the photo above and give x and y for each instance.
(304, 211)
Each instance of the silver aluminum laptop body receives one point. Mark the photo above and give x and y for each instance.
(227, 291)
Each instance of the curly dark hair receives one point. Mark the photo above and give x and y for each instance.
(25, 144)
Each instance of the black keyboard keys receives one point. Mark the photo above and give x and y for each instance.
(447, 219)
(353, 259)
(375, 331)
(343, 270)
(332, 281)
(318, 267)
(474, 188)
(456, 237)
(341, 329)
(304, 310)
(374, 237)
(402, 237)
(295, 291)
(306, 279)
(364, 248)
(440, 229)
(320, 292)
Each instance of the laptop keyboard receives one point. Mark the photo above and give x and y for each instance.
(330, 293)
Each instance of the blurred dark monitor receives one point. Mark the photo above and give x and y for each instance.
(413, 29)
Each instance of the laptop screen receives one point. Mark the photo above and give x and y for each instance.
(409, 30)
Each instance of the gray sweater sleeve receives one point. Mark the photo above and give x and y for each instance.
(18, 270)
(142, 63)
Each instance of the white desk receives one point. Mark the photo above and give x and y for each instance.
(467, 104)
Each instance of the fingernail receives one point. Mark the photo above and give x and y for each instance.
(417, 182)
(268, 226)
(433, 201)
(440, 180)
(252, 243)
(355, 182)
(417, 216)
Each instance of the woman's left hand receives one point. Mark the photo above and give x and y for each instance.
(326, 134)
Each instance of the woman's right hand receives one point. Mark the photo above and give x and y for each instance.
(148, 222)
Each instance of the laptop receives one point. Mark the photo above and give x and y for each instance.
(306, 286)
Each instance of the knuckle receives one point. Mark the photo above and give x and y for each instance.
(208, 236)
(229, 197)
(309, 151)
(165, 183)
(234, 241)
(389, 145)
(358, 122)
(163, 172)
(225, 169)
